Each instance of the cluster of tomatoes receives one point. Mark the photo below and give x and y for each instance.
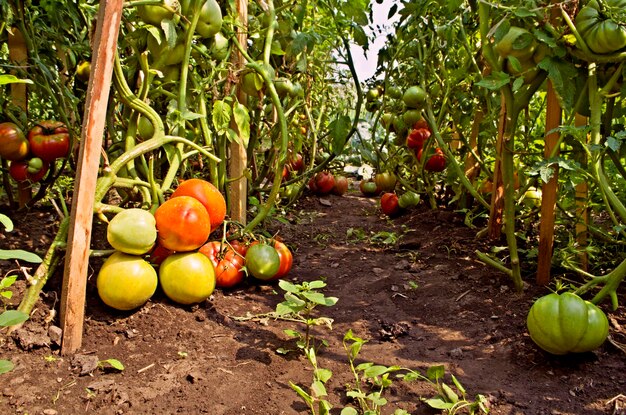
(416, 139)
(384, 184)
(31, 154)
(175, 240)
(324, 183)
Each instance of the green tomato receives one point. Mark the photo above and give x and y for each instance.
(412, 116)
(210, 22)
(566, 323)
(187, 277)
(262, 261)
(408, 199)
(153, 14)
(601, 33)
(414, 97)
(125, 281)
(517, 42)
(132, 231)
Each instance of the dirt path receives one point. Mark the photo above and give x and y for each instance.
(411, 287)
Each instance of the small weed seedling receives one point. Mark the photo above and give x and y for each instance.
(300, 302)
(114, 363)
(317, 392)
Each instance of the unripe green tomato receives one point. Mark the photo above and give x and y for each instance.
(262, 261)
(187, 277)
(132, 231)
(125, 281)
(566, 323)
(414, 97)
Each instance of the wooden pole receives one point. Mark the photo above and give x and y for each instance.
(238, 160)
(496, 213)
(582, 211)
(18, 55)
(79, 238)
(548, 191)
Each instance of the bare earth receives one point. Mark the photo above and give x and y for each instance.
(422, 301)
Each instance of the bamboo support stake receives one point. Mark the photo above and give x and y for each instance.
(548, 191)
(18, 55)
(79, 238)
(238, 188)
(582, 211)
(494, 227)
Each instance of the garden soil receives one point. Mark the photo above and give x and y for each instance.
(411, 287)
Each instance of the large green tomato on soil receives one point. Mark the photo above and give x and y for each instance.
(262, 261)
(566, 323)
(125, 281)
(187, 277)
(132, 231)
(603, 30)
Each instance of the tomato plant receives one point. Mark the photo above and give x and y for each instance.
(182, 223)
(187, 277)
(125, 281)
(227, 262)
(389, 204)
(132, 231)
(49, 140)
(566, 323)
(13, 143)
(262, 261)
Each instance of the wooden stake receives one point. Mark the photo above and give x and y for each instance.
(582, 211)
(238, 161)
(18, 55)
(494, 227)
(548, 191)
(79, 238)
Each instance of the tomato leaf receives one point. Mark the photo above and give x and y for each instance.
(435, 372)
(438, 403)
(494, 81)
(6, 221)
(339, 129)
(561, 74)
(221, 115)
(6, 366)
(12, 79)
(12, 317)
(21, 255)
(242, 119)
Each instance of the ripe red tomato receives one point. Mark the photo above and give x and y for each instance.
(436, 162)
(158, 254)
(389, 204)
(417, 137)
(32, 170)
(182, 223)
(322, 183)
(208, 195)
(296, 164)
(13, 144)
(341, 185)
(240, 247)
(49, 140)
(286, 260)
(228, 263)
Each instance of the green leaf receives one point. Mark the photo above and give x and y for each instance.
(450, 394)
(318, 389)
(495, 81)
(169, 28)
(287, 286)
(438, 403)
(613, 144)
(435, 372)
(292, 333)
(12, 317)
(360, 37)
(6, 282)
(20, 254)
(189, 115)
(364, 366)
(242, 119)
(317, 298)
(6, 366)
(348, 411)
(12, 79)
(324, 407)
(221, 115)
(115, 364)
(355, 394)
(561, 74)
(294, 300)
(323, 374)
(377, 399)
(7, 294)
(376, 370)
(339, 129)
(303, 394)
(7, 222)
(458, 384)
(316, 285)
(284, 308)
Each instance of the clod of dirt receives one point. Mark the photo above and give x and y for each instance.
(86, 363)
(390, 331)
(32, 338)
